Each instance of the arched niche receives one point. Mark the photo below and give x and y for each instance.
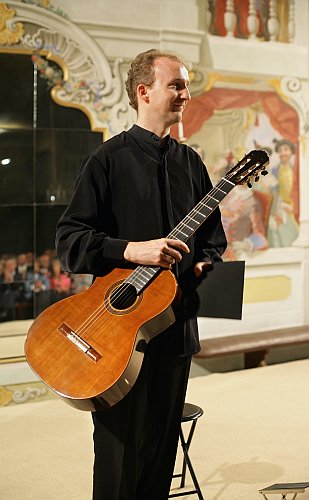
(90, 82)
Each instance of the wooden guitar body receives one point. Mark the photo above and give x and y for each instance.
(88, 350)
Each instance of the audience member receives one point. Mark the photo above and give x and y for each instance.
(28, 285)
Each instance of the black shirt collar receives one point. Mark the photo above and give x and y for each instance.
(152, 140)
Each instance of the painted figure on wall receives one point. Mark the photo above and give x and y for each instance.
(226, 124)
(243, 215)
(283, 226)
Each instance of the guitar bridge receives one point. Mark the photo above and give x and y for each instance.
(79, 342)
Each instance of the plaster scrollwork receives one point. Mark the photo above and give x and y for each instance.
(10, 31)
(198, 80)
(291, 89)
(5, 396)
(29, 393)
(82, 85)
(90, 82)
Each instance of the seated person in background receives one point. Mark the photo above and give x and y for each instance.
(60, 282)
(45, 265)
(10, 289)
(81, 282)
(39, 284)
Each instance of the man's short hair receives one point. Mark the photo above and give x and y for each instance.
(142, 71)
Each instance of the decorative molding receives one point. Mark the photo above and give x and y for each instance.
(90, 82)
(198, 80)
(229, 18)
(23, 393)
(6, 396)
(212, 78)
(46, 4)
(290, 89)
(10, 32)
(29, 394)
(273, 22)
(252, 20)
(15, 359)
(291, 22)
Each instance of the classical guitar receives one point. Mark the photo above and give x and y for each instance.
(88, 348)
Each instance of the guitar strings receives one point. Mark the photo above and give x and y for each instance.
(123, 295)
(140, 270)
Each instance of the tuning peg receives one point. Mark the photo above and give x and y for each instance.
(257, 178)
(264, 172)
(249, 184)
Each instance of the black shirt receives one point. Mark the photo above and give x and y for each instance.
(137, 187)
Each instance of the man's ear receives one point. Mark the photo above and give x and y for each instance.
(142, 93)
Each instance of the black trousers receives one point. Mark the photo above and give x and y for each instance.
(135, 441)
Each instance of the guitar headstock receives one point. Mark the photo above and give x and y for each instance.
(249, 168)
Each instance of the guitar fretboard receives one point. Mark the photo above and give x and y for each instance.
(142, 275)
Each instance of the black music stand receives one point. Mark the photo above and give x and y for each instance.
(220, 292)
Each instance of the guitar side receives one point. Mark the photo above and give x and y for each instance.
(89, 353)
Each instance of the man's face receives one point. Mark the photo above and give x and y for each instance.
(169, 94)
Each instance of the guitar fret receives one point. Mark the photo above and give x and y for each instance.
(230, 182)
(197, 222)
(149, 273)
(192, 229)
(206, 206)
(186, 235)
(141, 276)
(222, 190)
(201, 214)
(140, 279)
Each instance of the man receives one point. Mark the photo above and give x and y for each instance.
(129, 194)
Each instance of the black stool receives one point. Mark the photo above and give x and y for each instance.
(190, 414)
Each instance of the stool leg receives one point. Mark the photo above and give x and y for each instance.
(190, 467)
(187, 443)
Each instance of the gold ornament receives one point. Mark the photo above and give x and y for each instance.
(5, 396)
(7, 36)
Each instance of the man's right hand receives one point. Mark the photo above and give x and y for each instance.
(163, 252)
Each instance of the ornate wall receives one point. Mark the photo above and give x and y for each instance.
(94, 41)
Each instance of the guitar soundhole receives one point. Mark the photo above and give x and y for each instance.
(123, 296)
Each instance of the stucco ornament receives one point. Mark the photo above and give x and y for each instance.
(6, 396)
(293, 91)
(83, 86)
(10, 32)
(90, 81)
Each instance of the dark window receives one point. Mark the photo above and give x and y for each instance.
(39, 160)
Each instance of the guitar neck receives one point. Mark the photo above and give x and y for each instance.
(191, 223)
(184, 230)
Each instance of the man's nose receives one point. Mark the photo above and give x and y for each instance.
(185, 94)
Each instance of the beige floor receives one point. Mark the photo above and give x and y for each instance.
(255, 432)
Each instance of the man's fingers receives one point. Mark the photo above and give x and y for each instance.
(168, 258)
(177, 244)
(170, 252)
(163, 252)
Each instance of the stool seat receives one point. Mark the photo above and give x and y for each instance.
(191, 412)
